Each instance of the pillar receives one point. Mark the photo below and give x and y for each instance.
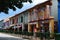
(28, 27)
(38, 26)
(22, 26)
(51, 26)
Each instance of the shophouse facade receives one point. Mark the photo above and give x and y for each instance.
(35, 19)
(6, 23)
(54, 13)
(40, 18)
(23, 20)
(13, 22)
(19, 22)
(54, 9)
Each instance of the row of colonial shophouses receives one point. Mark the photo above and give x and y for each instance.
(33, 19)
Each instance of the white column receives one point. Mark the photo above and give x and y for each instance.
(22, 27)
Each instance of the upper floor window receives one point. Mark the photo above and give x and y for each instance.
(16, 20)
(21, 18)
(13, 21)
(41, 13)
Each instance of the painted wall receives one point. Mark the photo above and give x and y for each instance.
(41, 13)
(6, 24)
(19, 18)
(10, 21)
(25, 18)
(54, 9)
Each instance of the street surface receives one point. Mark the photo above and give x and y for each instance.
(4, 36)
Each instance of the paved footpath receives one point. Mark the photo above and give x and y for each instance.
(27, 38)
(4, 36)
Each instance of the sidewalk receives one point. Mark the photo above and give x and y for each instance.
(5, 36)
(8, 35)
(27, 37)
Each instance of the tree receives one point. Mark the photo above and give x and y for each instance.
(5, 5)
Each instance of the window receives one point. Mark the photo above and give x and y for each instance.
(35, 14)
(12, 21)
(21, 18)
(16, 20)
(41, 13)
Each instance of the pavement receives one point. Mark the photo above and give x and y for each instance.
(4, 36)
(28, 37)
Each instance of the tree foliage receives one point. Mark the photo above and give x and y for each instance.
(5, 5)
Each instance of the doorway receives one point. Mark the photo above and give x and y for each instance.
(32, 27)
(26, 27)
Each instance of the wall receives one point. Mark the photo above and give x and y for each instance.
(25, 17)
(54, 9)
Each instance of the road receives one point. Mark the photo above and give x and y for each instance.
(4, 36)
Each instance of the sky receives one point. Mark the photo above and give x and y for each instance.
(25, 6)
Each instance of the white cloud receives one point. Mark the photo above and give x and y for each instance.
(38, 1)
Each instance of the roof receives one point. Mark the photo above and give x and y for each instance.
(41, 4)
